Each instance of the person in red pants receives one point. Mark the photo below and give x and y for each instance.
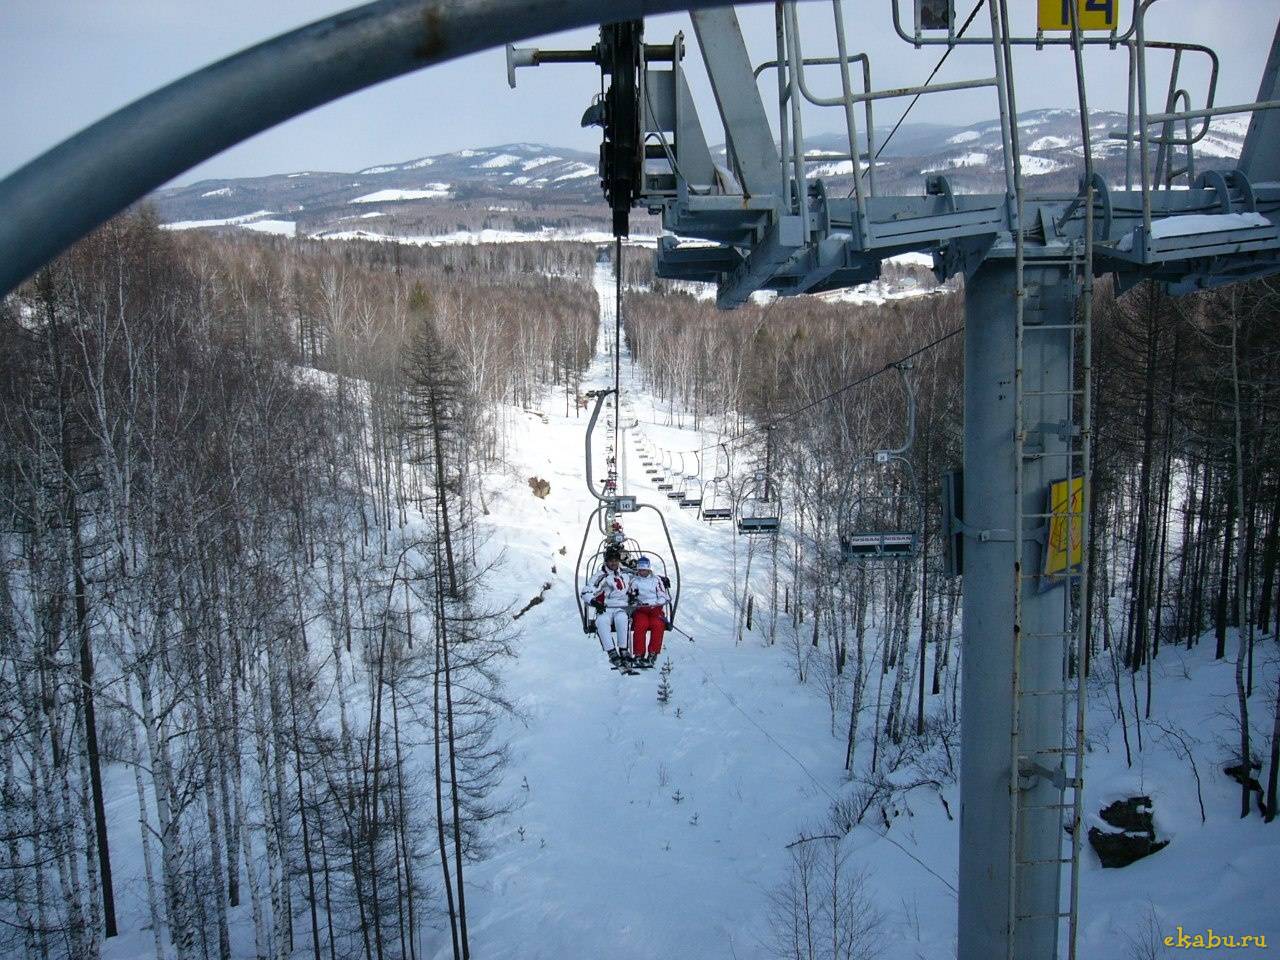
(651, 598)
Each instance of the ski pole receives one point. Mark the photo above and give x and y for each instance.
(682, 633)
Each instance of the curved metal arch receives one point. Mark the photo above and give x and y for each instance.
(78, 185)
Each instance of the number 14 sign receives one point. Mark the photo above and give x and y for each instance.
(1090, 14)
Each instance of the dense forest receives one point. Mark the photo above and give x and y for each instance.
(237, 559)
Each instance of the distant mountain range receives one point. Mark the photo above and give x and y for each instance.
(531, 189)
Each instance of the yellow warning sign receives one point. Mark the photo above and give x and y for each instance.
(1090, 14)
(1063, 548)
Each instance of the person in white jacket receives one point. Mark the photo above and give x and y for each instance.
(651, 599)
(608, 592)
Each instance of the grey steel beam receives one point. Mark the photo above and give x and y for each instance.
(1260, 157)
(746, 126)
(991, 569)
(60, 196)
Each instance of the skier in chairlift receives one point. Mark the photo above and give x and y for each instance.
(618, 542)
(609, 594)
(650, 598)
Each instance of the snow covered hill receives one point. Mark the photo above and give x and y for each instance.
(527, 188)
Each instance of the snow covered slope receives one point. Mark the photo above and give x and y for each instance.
(602, 860)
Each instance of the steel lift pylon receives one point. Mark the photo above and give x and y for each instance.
(763, 222)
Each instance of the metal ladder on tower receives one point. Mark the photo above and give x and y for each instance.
(1062, 764)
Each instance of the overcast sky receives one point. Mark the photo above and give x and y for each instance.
(66, 63)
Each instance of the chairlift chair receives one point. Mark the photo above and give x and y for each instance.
(884, 520)
(718, 508)
(690, 486)
(758, 515)
(679, 482)
(665, 482)
(692, 498)
(600, 522)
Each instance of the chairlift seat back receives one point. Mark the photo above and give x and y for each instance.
(757, 524)
(717, 513)
(888, 545)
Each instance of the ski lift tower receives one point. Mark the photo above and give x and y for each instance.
(767, 222)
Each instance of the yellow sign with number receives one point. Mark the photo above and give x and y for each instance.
(1064, 547)
(1090, 14)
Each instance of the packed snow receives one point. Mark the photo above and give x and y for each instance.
(1188, 224)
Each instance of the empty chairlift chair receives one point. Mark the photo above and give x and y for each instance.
(882, 518)
(758, 513)
(691, 489)
(717, 499)
(692, 499)
(665, 483)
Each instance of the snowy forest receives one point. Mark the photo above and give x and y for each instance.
(246, 573)
(212, 450)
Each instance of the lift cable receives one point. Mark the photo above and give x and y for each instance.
(617, 344)
(938, 66)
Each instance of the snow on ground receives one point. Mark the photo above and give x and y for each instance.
(543, 234)
(501, 160)
(975, 158)
(611, 865)
(539, 162)
(220, 192)
(1049, 143)
(281, 228)
(582, 170)
(429, 192)
(964, 136)
(1034, 166)
(833, 168)
(226, 222)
